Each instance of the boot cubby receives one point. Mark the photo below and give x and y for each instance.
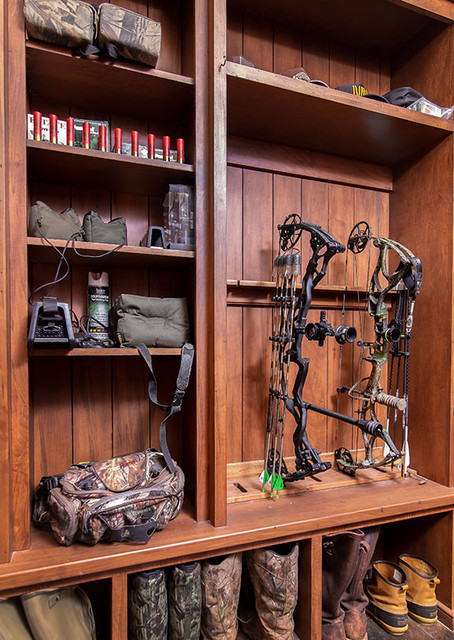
(259, 145)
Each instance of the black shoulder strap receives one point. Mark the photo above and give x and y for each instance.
(187, 356)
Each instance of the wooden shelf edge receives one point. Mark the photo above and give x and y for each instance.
(109, 156)
(39, 245)
(278, 81)
(250, 524)
(34, 47)
(103, 352)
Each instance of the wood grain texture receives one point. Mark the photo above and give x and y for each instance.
(17, 285)
(119, 606)
(308, 614)
(4, 355)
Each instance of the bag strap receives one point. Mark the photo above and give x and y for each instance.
(187, 357)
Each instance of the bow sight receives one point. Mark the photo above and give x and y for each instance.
(290, 327)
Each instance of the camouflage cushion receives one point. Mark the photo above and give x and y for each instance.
(135, 37)
(69, 23)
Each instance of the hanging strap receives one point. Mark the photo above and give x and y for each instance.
(187, 356)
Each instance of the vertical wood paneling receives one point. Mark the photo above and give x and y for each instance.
(287, 49)
(315, 56)
(234, 246)
(341, 64)
(258, 41)
(235, 34)
(92, 409)
(256, 363)
(257, 225)
(234, 355)
(130, 427)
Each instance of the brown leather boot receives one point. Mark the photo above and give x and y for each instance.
(386, 591)
(422, 580)
(274, 576)
(354, 600)
(339, 559)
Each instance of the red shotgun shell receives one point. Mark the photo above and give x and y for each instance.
(134, 143)
(37, 125)
(102, 137)
(151, 141)
(86, 135)
(53, 128)
(166, 148)
(70, 132)
(118, 139)
(180, 150)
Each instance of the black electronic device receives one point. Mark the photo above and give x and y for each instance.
(50, 325)
(154, 237)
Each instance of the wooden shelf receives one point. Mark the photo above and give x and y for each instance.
(101, 352)
(250, 525)
(108, 86)
(273, 108)
(386, 25)
(40, 251)
(59, 164)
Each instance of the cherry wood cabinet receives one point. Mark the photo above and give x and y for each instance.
(259, 145)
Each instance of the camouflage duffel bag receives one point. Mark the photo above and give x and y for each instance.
(124, 499)
(68, 23)
(129, 35)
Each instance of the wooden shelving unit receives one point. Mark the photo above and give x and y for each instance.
(127, 256)
(259, 145)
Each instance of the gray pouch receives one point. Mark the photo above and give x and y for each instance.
(131, 35)
(69, 23)
(96, 230)
(44, 221)
(155, 322)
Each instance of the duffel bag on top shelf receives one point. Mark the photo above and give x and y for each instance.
(107, 30)
(126, 34)
(68, 23)
(124, 499)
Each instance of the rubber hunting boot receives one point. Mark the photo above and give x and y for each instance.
(13, 625)
(185, 601)
(148, 611)
(422, 580)
(354, 600)
(339, 558)
(59, 613)
(387, 597)
(221, 581)
(273, 573)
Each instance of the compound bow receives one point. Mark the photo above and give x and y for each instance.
(393, 336)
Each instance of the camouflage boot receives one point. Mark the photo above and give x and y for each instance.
(274, 576)
(148, 613)
(221, 580)
(354, 600)
(339, 556)
(185, 601)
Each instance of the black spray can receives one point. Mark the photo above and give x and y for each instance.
(98, 306)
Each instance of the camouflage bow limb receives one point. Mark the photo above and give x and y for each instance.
(395, 335)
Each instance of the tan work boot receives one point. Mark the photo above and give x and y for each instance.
(221, 581)
(354, 600)
(273, 573)
(339, 558)
(386, 591)
(422, 580)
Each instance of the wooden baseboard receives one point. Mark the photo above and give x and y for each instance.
(446, 616)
